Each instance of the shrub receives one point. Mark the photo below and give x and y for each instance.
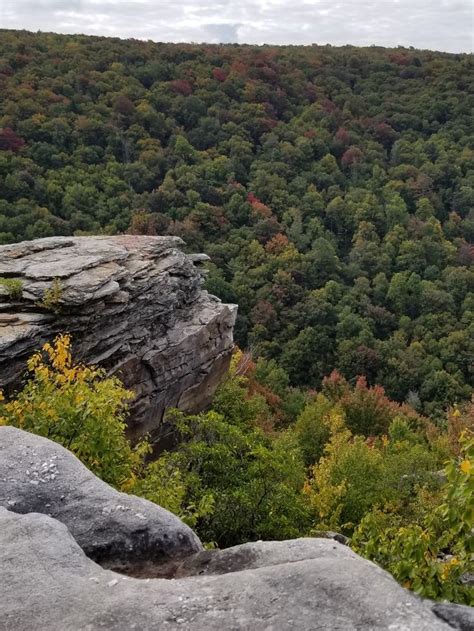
(252, 482)
(312, 428)
(78, 407)
(13, 287)
(430, 556)
(346, 482)
(357, 474)
(52, 297)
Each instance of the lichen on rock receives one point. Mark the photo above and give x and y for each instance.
(119, 531)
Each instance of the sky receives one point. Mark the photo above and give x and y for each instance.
(445, 25)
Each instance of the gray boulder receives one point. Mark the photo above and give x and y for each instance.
(133, 304)
(48, 583)
(119, 531)
(458, 616)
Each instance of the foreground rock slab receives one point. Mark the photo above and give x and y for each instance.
(120, 531)
(48, 583)
(134, 305)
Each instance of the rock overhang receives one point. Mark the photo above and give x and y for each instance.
(133, 304)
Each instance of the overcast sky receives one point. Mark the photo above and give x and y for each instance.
(435, 24)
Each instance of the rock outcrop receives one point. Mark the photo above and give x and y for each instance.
(48, 583)
(56, 518)
(49, 580)
(119, 531)
(134, 305)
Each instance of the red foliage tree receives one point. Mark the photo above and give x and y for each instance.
(385, 134)
(219, 75)
(277, 244)
(342, 136)
(368, 410)
(466, 254)
(264, 313)
(328, 105)
(9, 141)
(259, 209)
(310, 93)
(400, 59)
(351, 156)
(181, 86)
(251, 198)
(123, 105)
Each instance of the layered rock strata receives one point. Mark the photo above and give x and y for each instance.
(134, 305)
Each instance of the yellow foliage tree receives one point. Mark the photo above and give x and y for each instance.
(345, 482)
(79, 407)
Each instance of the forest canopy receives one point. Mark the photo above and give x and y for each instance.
(333, 189)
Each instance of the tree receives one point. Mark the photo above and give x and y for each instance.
(9, 141)
(232, 146)
(430, 556)
(78, 407)
(313, 428)
(346, 482)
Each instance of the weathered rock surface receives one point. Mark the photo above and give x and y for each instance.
(117, 530)
(48, 583)
(458, 616)
(134, 305)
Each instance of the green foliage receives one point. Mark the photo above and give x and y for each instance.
(166, 482)
(313, 429)
(355, 475)
(336, 206)
(13, 287)
(254, 481)
(431, 556)
(346, 482)
(268, 373)
(52, 297)
(234, 477)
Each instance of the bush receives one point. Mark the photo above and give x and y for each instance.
(346, 482)
(13, 287)
(431, 556)
(252, 482)
(357, 474)
(52, 297)
(78, 407)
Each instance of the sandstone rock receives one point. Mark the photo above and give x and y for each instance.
(337, 536)
(47, 583)
(134, 305)
(458, 616)
(117, 530)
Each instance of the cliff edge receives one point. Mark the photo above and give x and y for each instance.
(133, 305)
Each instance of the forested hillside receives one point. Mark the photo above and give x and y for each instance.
(332, 187)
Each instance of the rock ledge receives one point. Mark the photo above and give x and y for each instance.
(134, 305)
(49, 580)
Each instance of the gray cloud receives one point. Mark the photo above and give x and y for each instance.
(225, 33)
(434, 24)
